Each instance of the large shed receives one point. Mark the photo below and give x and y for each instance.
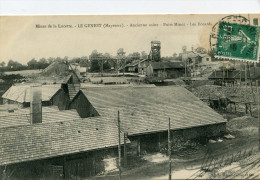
(146, 110)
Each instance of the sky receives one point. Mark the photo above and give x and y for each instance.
(21, 40)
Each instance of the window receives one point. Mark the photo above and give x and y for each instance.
(207, 59)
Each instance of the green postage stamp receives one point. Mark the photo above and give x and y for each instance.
(238, 42)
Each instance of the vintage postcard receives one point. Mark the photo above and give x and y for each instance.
(130, 97)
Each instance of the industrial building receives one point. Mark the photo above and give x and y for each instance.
(144, 111)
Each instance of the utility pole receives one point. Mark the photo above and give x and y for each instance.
(119, 147)
(258, 114)
(169, 149)
(125, 150)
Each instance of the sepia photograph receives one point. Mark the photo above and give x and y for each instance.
(129, 97)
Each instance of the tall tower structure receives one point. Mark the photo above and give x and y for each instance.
(155, 53)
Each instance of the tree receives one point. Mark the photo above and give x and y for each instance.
(136, 56)
(50, 60)
(66, 58)
(144, 55)
(84, 62)
(2, 64)
(212, 53)
(32, 64)
(14, 65)
(58, 59)
(94, 61)
(75, 60)
(201, 50)
(174, 55)
(42, 64)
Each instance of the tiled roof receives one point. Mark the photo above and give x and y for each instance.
(39, 141)
(21, 93)
(22, 116)
(147, 109)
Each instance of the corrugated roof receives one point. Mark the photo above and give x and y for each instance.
(49, 114)
(21, 93)
(146, 109)
(39, 141)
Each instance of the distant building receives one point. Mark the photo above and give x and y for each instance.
(195, 59)
(162, 69)
(133, 66)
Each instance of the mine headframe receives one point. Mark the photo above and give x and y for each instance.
(155, 53)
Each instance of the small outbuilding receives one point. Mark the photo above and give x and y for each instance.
(51, 95)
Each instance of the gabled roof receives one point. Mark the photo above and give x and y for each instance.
(21, 93)
(39, 141)
(22, 116)
(167, 65)
(147, 109)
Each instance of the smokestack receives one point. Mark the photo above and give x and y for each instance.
(36, 104)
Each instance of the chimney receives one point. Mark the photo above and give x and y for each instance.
(36, 104)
